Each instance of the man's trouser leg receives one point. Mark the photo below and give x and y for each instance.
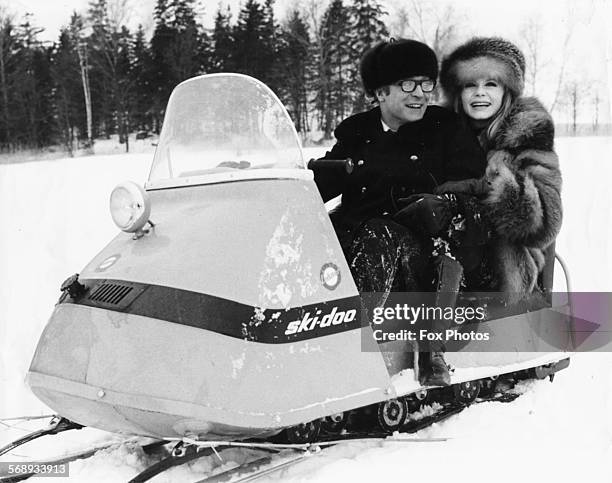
(434, 371)
(382, 253)
(386, 257)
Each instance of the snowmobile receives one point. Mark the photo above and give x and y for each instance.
(225, 308)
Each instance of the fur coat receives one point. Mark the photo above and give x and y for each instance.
(520, 196)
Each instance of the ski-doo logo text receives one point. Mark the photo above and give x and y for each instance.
(308, 322)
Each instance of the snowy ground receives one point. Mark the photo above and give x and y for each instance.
(54, 218)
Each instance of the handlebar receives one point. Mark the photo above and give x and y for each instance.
(347, 164)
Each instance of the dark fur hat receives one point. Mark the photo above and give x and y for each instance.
(483, 57)
(388, 62)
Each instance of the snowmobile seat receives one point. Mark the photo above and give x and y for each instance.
(539, 299)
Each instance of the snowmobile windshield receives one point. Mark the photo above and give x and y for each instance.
(222, 123)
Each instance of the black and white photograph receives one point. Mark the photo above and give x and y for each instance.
(306, 240)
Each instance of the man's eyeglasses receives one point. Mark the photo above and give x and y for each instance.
(410, 85)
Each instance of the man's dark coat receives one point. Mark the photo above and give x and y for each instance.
(388, 166)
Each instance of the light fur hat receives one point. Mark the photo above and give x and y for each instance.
(483, 57)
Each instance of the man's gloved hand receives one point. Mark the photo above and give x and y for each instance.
(476, 187)
(426, 213)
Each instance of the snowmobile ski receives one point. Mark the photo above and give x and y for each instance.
(148, 448)
(260, 466)
(180, 454)
(187, 450)
(56, 425)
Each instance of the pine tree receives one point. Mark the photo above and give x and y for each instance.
(179, 49)
(333, 97)
(111, 57)
(141, 59)
(124, 83)
(67, 91)
(295, 59)
(101, 59)
(223, 43)
(32, 90)
(254, 50)
(367, 29)
(9, 46)
(273, 44)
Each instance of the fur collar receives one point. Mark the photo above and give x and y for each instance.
(528, 126)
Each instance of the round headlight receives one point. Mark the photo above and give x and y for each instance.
(130, 206)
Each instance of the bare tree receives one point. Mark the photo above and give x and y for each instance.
(110, 42)
(430, 22)
(563, 54)
(571, 19)
(119, 12)
(595, 94)
(76, 32)
(573, 98)
(531, 34)
(596, 102)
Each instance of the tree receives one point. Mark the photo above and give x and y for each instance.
(334, 69)
(295, 58)
(65, 74)
(180, 49)
(141, 81)
(541, 70)
(8, 49)
(367, 29)
(531, 34)
(32, 90)
(563, 53)
(112, 58)
(255, 50)
(25, 109)
(596, 102)
(222, 42)
(429, 22)
(76, 31)
(573, 98)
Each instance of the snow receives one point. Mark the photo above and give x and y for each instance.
(54, 217)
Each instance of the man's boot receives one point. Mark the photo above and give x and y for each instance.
(435, 370)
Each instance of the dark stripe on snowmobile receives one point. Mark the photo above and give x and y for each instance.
(223, 316)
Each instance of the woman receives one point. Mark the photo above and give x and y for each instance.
(521, 191)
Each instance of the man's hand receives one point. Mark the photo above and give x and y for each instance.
(427, 213)
(476, 187)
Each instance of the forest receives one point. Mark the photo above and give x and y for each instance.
(99, 78)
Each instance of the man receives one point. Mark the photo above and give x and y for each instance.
(401, 147)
